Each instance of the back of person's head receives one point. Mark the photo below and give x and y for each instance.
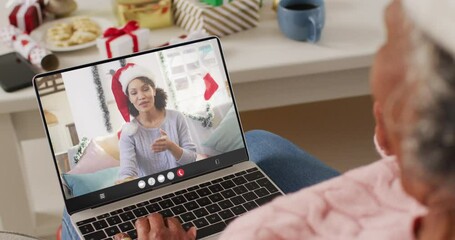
(431, 139)
(428, 146)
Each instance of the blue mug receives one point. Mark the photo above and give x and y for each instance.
(301, 20)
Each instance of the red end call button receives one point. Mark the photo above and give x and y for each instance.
(180, 172)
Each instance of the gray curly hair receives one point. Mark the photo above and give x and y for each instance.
(430, 140)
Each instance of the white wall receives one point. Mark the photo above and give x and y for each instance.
(84, 103)
(58, 105)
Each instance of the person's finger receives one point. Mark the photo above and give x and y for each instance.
(122, 236)
(142, 226)
(159, 145)
(156, 221)
(174, 225)
(158, 148)
(163, 133)
(191, 233)
(160, 140)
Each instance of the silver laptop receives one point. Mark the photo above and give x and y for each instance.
(86, 130)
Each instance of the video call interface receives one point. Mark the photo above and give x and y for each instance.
(99, 138)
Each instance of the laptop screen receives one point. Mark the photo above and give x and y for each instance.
(125, 126)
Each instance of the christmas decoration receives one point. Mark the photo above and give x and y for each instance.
(123, 41)
(232, 17)
(28, 48)
(26, 16)
(148, 13)
(206, 120)
(80, 149)
(210, 86)
(101, 98)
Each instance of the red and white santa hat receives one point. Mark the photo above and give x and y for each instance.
(122, 77)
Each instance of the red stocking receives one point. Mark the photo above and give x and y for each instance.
(210, 86)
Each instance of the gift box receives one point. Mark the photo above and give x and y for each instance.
(26, 16)
(148, 13)
(232, 17)
(122, 41)
(215, 3)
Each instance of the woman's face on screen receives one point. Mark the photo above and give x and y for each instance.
(141, 95)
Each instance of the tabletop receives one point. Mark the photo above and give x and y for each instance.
(353, 32)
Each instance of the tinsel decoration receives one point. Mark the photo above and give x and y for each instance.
(206, 120)
(102, 99)
(168, 81)
(81, 149)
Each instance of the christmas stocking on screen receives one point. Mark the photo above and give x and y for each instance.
(210, 86)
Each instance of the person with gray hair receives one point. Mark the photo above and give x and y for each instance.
(409, 193)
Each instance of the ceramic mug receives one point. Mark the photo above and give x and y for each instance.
(301, 20)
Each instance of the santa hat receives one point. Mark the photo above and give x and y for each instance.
(436, 19)
(122, 77)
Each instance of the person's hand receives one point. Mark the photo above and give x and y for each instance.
(438, 225)
(154, 227)
(163, 143)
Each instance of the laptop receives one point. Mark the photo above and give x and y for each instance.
(86, 132)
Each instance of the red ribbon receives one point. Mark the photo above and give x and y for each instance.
(113, 33)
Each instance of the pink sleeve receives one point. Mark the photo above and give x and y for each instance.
(352, 206)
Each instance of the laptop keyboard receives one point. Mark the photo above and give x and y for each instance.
(209, 206)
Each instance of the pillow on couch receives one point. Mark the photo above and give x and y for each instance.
(94, 159)
(80, 184)
(227, 136)
(109, 144)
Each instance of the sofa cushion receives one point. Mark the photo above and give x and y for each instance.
(94, 159)
(227, 136)
(80, 184)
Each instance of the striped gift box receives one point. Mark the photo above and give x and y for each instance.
(236, 16)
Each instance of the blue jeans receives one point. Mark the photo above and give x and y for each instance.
(287, 165)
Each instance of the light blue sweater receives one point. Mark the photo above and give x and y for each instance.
(136, 156)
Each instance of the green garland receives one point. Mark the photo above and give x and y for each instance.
(169, 83)
(102, 99)
(81, 149)
(207, 120)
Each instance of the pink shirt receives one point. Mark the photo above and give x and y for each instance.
(365, 203)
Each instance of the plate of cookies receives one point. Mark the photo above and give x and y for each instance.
(70, 34)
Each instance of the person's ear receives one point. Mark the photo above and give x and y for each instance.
(380, 130)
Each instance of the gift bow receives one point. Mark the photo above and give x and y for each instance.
(112, 33)
(127, 29)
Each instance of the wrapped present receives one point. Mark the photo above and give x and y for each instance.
(27, 15)
(232, 17)
(215, 3)
(28, 48)
(148, 13)
(123, 41)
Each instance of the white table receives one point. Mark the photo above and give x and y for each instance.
(266, 68)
